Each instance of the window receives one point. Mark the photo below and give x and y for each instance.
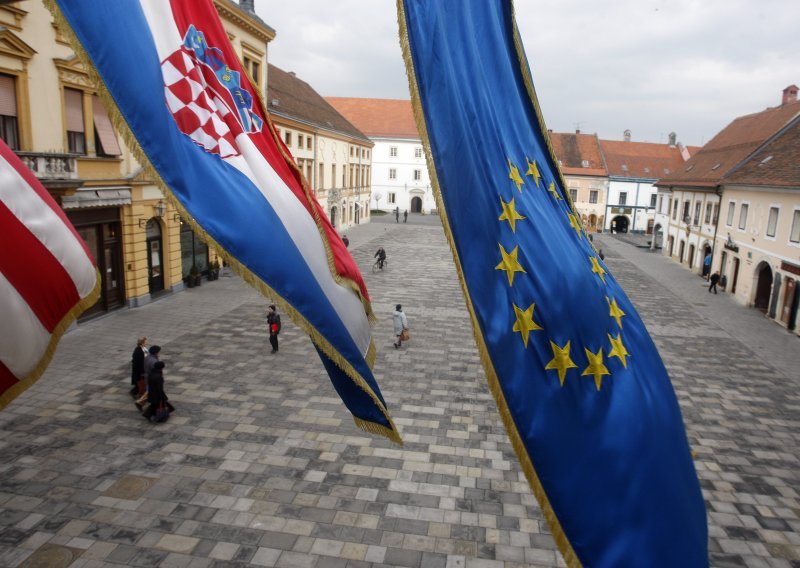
(287, 138)
(653, 200)
(393, 151)
(392, 173)
(675, 210)
(708, 213)
(685, 215)
(585, 163)
(105, 141)
(76, 134)
(300, 141)
(308, 143)
(660, 203)
(253, 68)
(743, 217)
(321, 178)
(417, 175)
(333, 175)
(392, 198)
(715, 215)
(623, 197)
(351, 151)
(697, 206)
(417, 152)
(593, 196)
(772, 222)
(731, 208)
(794, 236)
(573, 194)
(8, 112)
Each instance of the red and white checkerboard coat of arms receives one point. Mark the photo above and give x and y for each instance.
(205, 96)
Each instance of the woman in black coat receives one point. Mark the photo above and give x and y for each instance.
(137, 368)
(155, 391)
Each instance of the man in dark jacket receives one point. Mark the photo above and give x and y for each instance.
(714, 280)
(274, 323)
(138, 378)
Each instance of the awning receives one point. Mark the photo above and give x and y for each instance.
(97, 197)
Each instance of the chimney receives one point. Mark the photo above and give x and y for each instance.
(684, 151)
(248, 6)
(789, 95)
(292, 73)
(672, 139)
(577, 131)
(626, 135)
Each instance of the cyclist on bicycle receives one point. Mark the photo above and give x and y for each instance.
(381, 256)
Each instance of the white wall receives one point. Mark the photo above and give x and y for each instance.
(409, 157)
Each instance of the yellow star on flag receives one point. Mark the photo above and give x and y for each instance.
(573, 222)
(533, 170)
(513, 174)
(615, 311)
(510, 214)
(552, 189)
(618, 349)
(509, 263)
(596, 368)
(561, 361)
(597, 269)
(525, 323)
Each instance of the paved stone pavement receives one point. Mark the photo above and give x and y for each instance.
(261, 465)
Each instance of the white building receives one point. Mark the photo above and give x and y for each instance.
(633, 169)
(400, 177)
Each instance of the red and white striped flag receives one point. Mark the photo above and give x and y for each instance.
(47, 276)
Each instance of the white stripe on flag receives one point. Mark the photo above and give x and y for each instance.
(47, 227)
(23, 339)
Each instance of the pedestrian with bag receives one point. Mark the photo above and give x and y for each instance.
(714, 279)
(274, 323)
(400, 326)
(138, 377)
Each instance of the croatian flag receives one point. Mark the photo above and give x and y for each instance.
(188, 106)
(47, 276)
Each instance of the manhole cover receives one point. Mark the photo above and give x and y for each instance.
(130, 487)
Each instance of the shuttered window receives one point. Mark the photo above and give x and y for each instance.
(73, 105)
(107, 142)
(8, 112)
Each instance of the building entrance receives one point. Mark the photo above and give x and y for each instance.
(763, 287)
(416, 205)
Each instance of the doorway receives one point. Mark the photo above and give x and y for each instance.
(333, 216)
(735, 277)
(619, 224)
(681, 247)
(155, 264)
(763, 287)
(788, 300)
(416, 205)
(690, 260)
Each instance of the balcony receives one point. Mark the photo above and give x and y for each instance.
(57, 172)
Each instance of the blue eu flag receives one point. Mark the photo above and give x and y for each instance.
(580, 386)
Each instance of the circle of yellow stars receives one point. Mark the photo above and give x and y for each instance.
(524, 321)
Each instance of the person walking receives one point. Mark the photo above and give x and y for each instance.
(397, 214)
(405, 215)
(400, 326)
(274, 323)
(150, 360)
(600, 254)
(138, 378)
(714, 280)
(156, 397)
(346, 241)
(707, 265)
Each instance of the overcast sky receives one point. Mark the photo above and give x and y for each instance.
(652, 66)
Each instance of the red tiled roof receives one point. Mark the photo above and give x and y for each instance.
(776, 164)
(296, 99)
(573, 149)
(391, 118)
(641, 159)
(732, 145)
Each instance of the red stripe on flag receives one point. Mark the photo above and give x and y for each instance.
(34, 272)
(12, 159)
(7, 378)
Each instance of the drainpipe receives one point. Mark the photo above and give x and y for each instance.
(635, 207)
(718, 191)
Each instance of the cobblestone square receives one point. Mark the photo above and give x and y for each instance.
(261, 464)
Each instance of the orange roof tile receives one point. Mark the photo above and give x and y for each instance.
(390, 118)
(641, 159)
(575, 150)
(733, 144)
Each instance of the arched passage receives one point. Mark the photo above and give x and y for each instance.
(763, 286)
(416, 205)
(619, 224)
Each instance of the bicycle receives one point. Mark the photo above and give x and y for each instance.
(377, 266)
